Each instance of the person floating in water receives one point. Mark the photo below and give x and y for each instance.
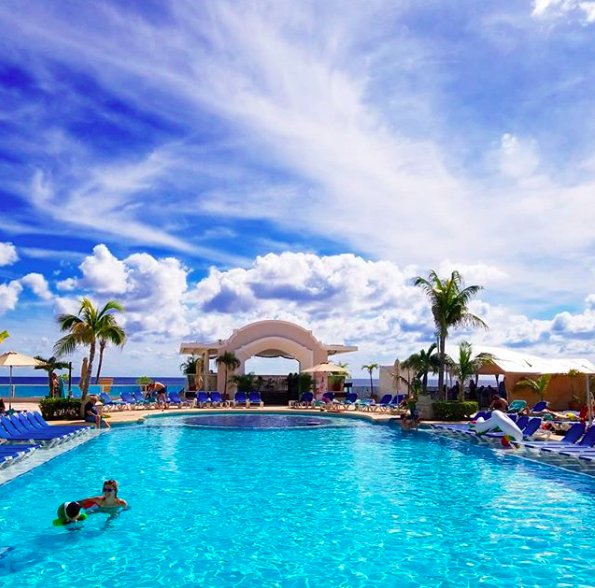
(70, 512)
(108, 501)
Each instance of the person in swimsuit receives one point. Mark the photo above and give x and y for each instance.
(108, 501)
(160, 390)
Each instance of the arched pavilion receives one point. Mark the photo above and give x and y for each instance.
(268, 338)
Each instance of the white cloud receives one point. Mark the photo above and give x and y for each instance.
(9, 296)
(552, 9)
(103, 273)
(38, 285)
(8, 254)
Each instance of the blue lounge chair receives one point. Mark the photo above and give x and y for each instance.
(37, 422)
(216, 399)
(350, 400)
(384, 402)
(572, 436)
(143, 402)
(11, 432)
(306, 400)
(129, 400)
(177, 400)
(395, 403)
(202, 399)
(240, 398)
(539, 407)
(108, 403)
(586, 443)
(254, 398)
(10, 454)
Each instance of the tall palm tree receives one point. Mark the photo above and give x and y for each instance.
(50, 365)
(449, 301)
(109, 332)
(371, 367)
(424, 362)
(84, 329)
(230, 361)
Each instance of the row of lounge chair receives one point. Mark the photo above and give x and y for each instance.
(23, 433)
(387, 403)
(130, 401)
(578, 443)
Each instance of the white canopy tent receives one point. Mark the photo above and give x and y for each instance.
(505, 361)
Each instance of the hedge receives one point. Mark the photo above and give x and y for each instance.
(60, 408)
(454, 410)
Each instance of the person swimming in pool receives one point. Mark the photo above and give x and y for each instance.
(108, 501)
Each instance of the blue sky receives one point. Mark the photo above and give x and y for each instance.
(213, 163)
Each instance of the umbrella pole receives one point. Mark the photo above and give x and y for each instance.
(11, 389)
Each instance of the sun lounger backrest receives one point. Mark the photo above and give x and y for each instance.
(386, 399)
(522, 422)
(574, 433)
(589, 438)
(540, 406)
(532, 426)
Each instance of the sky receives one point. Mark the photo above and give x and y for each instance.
(210, 164)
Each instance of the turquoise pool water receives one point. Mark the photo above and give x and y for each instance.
(353, 505)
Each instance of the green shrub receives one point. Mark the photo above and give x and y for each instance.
(60, 408)
(453, 410)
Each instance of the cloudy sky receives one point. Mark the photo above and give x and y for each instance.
(209, 164)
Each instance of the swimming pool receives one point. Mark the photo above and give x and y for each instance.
(352, 505)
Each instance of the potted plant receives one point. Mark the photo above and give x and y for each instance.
(336, 381)
(191, 368)
(244, 382)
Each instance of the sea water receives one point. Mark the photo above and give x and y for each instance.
(351, 504)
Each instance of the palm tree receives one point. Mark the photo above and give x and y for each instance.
(50, 365)
(371, 367)
(229, 360)
(422, 363)
(449, 301)
(110, 332)
(85, 329)
(538, 385)
(467, 365)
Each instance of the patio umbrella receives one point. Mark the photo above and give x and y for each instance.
(15, 359)
(325, 367)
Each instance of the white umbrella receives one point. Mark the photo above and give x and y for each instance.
(16, 359)
(325, 368)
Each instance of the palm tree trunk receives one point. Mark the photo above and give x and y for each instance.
(102, 345)
(85, 389)
(225, 385)
(371, 384)
(442, 354)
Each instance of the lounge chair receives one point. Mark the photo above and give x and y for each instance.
(216, 399)
(177, 400)
(240, 398)
(349, 401)
(38, 422)
(384, 402)
(143, 402)
(254, 398)
(516, 406)
(108, 403)
(585, 444)
(571, 437)
(129, 400)
(395, 403)
(306, 400)
(202, 399)
(11, 431)
(541, 406)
